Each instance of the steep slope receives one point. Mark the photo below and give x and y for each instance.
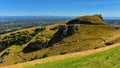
(88, 32)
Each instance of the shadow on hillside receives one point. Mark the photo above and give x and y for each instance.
(34, 46)
(78, 22)
(57, 37)
(63, 32)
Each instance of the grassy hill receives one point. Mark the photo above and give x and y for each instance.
(88, 32)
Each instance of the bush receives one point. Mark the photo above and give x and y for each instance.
(15, 62)
(35, 57)
(39, 30)
(45, 55)
(54, 28)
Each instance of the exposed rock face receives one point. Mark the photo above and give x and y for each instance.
(66, 30)
(72, 29)
(95, 19)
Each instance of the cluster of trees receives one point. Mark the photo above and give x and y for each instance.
(17, 38)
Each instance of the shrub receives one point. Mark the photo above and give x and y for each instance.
(39, 29)
(45, 55)
(15, 62)
(35, 57)
(54, 28)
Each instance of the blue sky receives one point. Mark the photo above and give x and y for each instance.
(108, 8)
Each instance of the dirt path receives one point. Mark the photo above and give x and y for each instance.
(61, 57)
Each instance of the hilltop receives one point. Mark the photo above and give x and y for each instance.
(93, 20)
(79, 34)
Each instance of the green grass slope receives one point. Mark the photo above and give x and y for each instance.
(105, 59)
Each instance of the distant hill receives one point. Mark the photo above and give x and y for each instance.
(113, 22)
(76, 35)
(112, 18)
